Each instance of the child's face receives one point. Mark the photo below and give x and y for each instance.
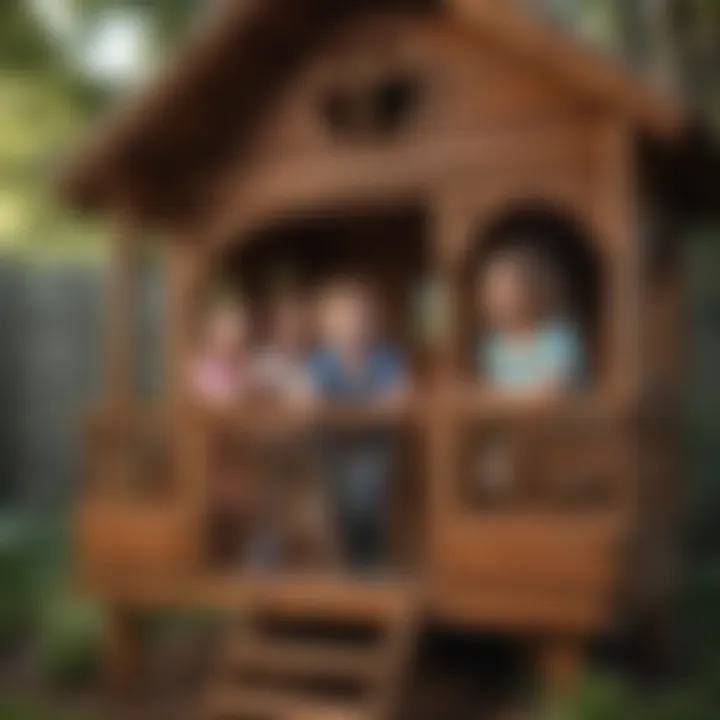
(347, 318)
(505, 296)
(228, 331)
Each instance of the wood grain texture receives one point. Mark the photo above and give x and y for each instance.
(176, 138)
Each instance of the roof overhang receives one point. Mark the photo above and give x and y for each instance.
(175, 133)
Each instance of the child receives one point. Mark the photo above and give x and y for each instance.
(353, 367)
(295, 523)
(532, 349)
(282, 367)
(222, 379)
(222, 370)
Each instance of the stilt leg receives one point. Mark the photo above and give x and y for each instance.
(123, 651)
(656, 644)
(560, 661)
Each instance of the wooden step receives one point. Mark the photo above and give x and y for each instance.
(253, 704)
(328, 599)
(265, 662)
(327, 596)
(304, 659)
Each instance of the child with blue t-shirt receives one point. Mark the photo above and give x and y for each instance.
(353, 367)
(531, 348)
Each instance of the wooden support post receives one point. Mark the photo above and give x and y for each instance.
(189, 271)
(121, 314)
(123, 650)
(122, 654)
(656, 639)
(616, 224)
(188, 265)
(559, 659)
(450, 232)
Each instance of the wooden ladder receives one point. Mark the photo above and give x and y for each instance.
(341, 656)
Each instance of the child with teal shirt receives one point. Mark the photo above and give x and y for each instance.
(531, 347)
(530, 352)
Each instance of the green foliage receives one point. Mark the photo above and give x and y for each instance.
(167, 16)
(17, 708)
(37, 117)
(33, 555)
(607, 697)
(45, 102)
(23, 45)
(166, 19)
(598, 698)
(34, 604)
(12, 708)
(17, 580)
(70, 640)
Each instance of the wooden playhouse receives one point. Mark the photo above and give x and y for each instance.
(396, 138)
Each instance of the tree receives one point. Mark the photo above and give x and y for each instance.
(23, 45)
(47, 95)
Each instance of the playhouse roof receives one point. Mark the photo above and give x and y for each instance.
(151, 155)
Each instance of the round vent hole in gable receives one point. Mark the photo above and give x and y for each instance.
(376, 110)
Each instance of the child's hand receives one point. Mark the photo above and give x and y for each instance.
(394, 400)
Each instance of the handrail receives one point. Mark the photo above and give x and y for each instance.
(464, 401)
(271, 420)
(101, 416)
(129, 446)
(473, 402)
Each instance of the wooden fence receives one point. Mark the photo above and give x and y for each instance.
(51, 366)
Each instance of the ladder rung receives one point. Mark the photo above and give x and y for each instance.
(253, 704)
(306, 659)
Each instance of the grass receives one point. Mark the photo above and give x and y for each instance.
(16, 707)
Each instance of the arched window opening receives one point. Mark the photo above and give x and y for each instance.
(532, 318)
(563, 266)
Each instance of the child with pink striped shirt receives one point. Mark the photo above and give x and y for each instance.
(222, 371)
(222, 379)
